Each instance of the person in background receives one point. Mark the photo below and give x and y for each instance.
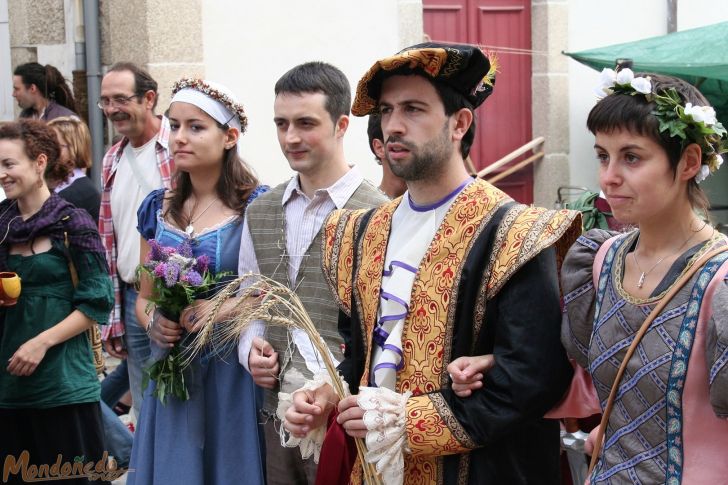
(49, 392)
(135, 166)
(78, 189)
(75, 142)
(391, 185)
(42, 92)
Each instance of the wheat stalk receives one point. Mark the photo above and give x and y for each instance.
(265, 299)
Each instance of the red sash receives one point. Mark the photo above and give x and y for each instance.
(338, 455)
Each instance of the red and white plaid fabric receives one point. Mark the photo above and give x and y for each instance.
(115, 328)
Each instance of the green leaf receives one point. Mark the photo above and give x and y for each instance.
(168, 374)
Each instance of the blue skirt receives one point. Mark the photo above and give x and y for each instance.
(214, 437)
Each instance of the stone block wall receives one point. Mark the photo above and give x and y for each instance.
(163, 36)
(549, 90)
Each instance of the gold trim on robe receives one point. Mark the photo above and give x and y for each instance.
(429, 324)
(524, 232)
(371, 256)
(431, 434)
(432, 429)
(337, 255)
(533, 229)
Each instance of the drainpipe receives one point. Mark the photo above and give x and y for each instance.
(671, 16)
(78, 36)
(93, 81)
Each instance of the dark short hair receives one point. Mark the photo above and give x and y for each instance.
(38, 138)
(374, 131)
(49, 81)
(319, 77)
(143, 81)
(453, 101)
(635, 115)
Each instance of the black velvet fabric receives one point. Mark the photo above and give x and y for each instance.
(521, 328)
(83, 194)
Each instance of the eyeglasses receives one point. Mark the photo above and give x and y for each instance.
(105, 102)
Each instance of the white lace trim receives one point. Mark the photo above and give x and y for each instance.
(312, 443)
(384, 417)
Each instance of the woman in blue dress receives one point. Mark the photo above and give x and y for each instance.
(213, 437)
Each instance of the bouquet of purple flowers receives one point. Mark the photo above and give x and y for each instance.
(178, 278)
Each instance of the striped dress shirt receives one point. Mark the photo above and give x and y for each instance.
(304, 218)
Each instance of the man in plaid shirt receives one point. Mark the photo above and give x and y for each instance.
(139, 163)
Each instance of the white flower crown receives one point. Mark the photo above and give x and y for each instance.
(692, 124)
(201, 86)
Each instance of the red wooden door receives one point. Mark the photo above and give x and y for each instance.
(504, 120)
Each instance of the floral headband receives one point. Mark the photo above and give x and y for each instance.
(216, 94)
(692, 124)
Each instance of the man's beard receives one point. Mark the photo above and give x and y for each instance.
(22, 104)
(427, 161)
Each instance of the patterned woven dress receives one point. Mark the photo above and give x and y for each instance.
(669, 423)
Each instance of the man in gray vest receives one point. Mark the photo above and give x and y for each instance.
(282, 240)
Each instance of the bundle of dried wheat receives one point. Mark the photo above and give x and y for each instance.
(265, 299)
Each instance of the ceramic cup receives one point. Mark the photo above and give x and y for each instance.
(9, 288)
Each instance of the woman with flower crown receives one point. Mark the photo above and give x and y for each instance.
(656, 139)
(213, 436)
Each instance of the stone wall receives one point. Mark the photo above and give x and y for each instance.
(41, 31)
(550, 94)
(163, 36)
(34, 23)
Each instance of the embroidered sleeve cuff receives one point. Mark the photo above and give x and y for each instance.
(385, 419)
(433, 429)
(311, 444)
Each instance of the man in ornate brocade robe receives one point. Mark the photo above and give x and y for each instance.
(455, 267)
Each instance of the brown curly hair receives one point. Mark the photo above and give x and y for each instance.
(38, 138)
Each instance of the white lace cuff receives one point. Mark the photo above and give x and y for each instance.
(384, 417)
(311, 444)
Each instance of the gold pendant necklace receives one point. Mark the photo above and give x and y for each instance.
(644, 274)
(190, 230)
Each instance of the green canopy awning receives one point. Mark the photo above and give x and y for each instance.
(700, 56)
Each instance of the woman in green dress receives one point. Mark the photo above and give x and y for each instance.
(49, 392)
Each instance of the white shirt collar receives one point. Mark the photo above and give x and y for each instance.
(339, 192)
